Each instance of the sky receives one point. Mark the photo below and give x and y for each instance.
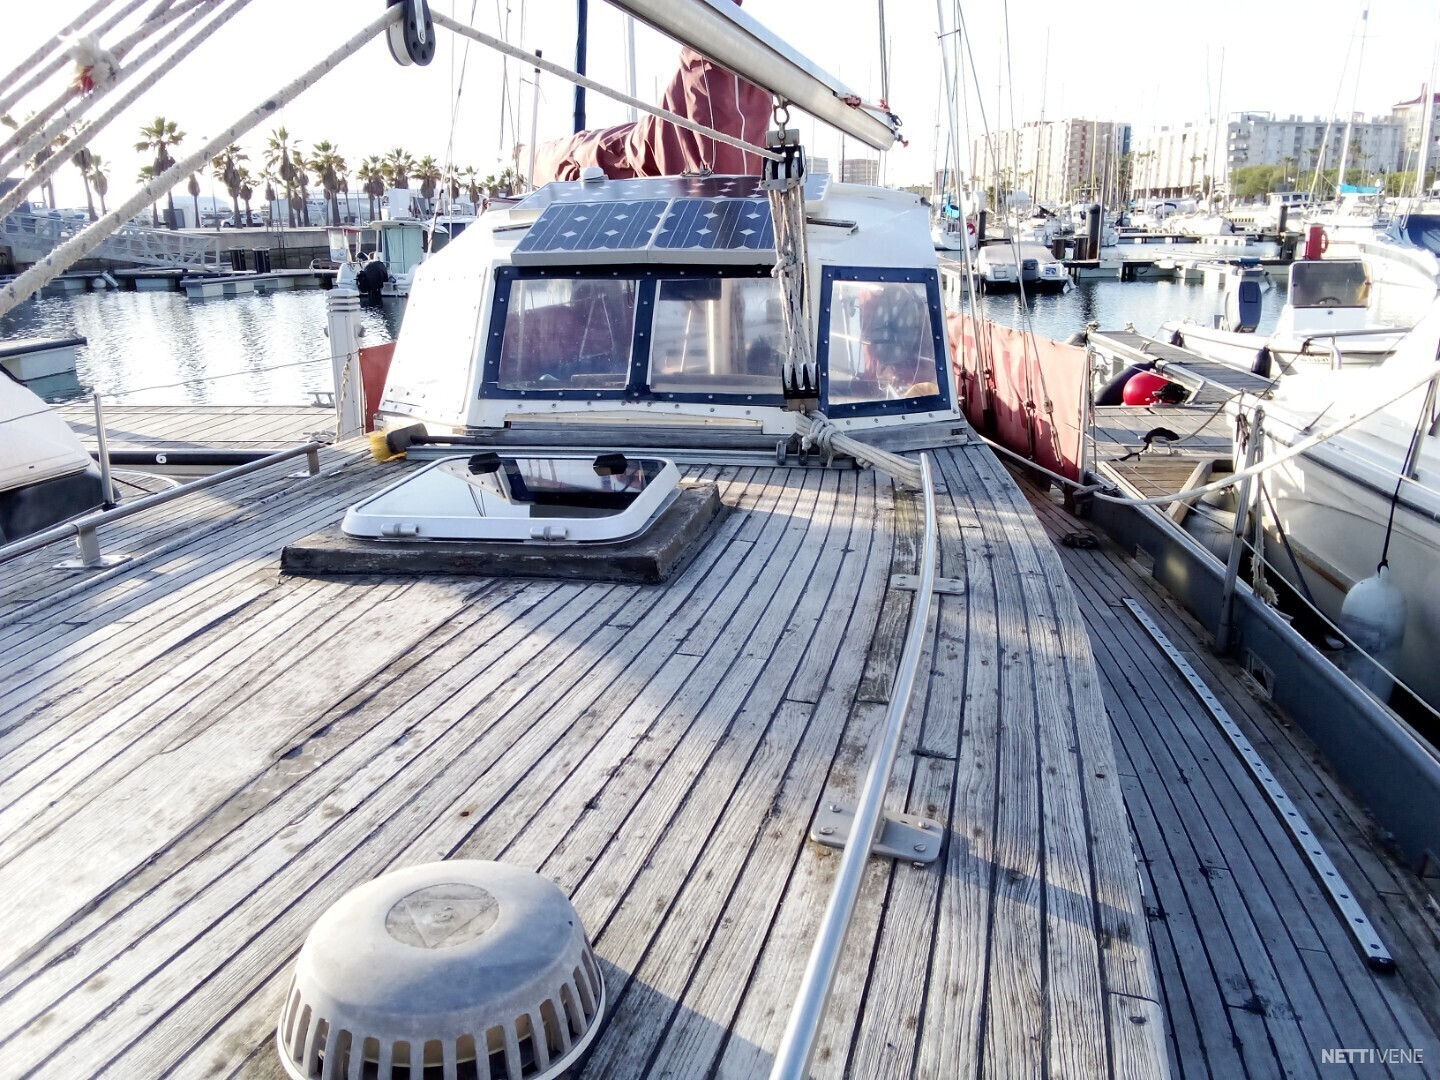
(1140, 61)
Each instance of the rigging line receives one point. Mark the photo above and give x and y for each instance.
(9, 78)
(1400, 483)
(77, 247)
(200, 380)
(82, 138)
(58, 62)
(455, 92)
(24, 136)
(601, 88)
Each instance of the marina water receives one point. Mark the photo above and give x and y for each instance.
(157, 348)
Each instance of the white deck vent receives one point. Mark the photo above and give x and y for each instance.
(520, 497)
(460, 970)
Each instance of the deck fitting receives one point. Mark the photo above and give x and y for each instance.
(902, 836)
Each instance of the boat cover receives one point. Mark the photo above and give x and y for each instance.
(700, 90)
(35, 443)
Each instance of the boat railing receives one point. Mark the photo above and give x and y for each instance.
(85, 530)
(797, 1046)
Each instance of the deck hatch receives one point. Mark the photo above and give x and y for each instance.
(520, 497)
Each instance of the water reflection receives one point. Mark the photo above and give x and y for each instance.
(162, 348)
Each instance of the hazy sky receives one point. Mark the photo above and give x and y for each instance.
(1142, 61)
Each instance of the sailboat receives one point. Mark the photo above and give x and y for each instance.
(682, 542)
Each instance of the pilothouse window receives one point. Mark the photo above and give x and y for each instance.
(1326, 283)
(568, 334)
(881, 344)
(717, 335)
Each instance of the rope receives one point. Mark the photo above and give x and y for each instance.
(600, 88)
(787, 210)
(15, 73)
(25, 133)
(82, 139)
(8, 102)
(819, 431)
(80, 245)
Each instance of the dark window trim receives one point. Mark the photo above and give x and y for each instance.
(637, 387)
(915, 275)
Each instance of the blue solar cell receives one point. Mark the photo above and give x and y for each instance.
(616, 226)
(716, 225)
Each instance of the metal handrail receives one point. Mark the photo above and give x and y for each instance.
(83, 528)
(797, 1046)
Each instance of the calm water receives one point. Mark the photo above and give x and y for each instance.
(161, 348)
(155, 348)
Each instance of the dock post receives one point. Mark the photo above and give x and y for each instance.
(102, 451)
(1226, 624)
(342, 306)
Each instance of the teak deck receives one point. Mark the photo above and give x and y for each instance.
(198, 756)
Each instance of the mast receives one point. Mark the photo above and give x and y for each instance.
(582, 33)
(1354, 100)
(1427, 98)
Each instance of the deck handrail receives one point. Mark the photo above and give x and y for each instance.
(797, 1046)
(83, 528)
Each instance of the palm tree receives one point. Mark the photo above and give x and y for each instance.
(159, 136)
(98, 180)
(398, 165)
(246, 191)
(225, 167)
(372, 176)
(194, 188)
(270, 195)
(81, 160)
(472, 185)
(429, 174)
(145, 175)
(283, 166)
(329, 167)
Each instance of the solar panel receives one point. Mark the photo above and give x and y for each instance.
(727, 230)
(716, 225)
(614, 226)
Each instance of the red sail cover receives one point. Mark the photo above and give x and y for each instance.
(701, 91)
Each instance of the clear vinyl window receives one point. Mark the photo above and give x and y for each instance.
(568, 334)
(881, 344)
(716, 335)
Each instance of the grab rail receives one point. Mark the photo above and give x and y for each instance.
(84, 529)
(797, 1046)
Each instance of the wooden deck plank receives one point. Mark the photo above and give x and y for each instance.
(658, 751)
(1326, 984)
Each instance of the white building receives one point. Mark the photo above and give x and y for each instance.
(860, 171)
(1411, 116)
(1054, 160)
(1195, 158)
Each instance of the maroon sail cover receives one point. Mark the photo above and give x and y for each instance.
(701, 91)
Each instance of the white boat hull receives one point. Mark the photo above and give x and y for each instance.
(1334, 506)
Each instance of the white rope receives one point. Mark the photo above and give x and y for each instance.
(8, 102)
(787, 211)
(14, 75)
(25, 133)
(34, 143)
(600, 88)
(82, 138)
(80, 245)
(819, 431)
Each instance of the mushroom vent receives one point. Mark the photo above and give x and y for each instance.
(458, 970)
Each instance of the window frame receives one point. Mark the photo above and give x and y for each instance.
(930, 279)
